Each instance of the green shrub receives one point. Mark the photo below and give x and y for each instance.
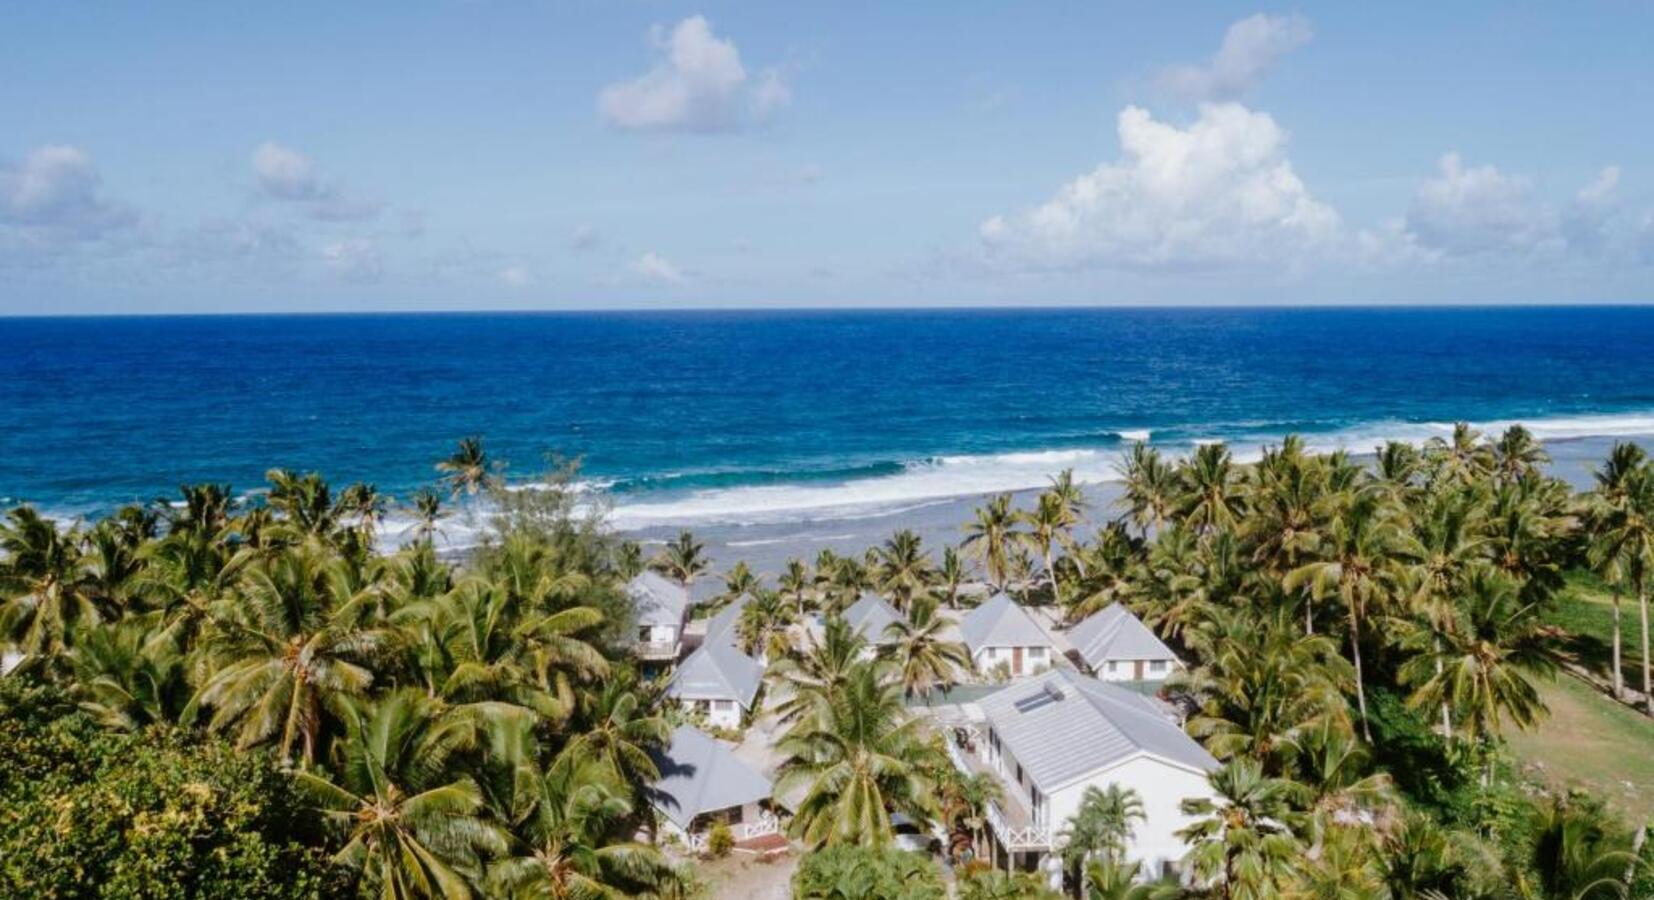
(85, 814)
(720, 840)
(860, 873)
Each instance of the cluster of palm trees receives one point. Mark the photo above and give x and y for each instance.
(463, 730)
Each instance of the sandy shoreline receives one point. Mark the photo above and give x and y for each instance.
(766, 546)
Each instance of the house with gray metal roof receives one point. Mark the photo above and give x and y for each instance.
(662, 609)
(1051, 737)
(718, 678)
(702, 782)
(871, 616)
(1001, 633)
(1117, 646)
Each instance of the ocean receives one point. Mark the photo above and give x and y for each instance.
(741, 418)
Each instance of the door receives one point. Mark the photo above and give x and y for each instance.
(1016, 660)
(1137, 668)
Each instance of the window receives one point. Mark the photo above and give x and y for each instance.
(645, 635)
(1157, 665)
(1113, 667)
(723, 705)
(1036, 652)
(703, 705)
(735, 813)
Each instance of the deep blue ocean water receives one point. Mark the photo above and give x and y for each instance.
(698, 414)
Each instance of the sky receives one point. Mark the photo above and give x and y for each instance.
(484, 155)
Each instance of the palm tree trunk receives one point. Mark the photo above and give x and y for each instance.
(1360, 687)
(1619, 676)
(1051, 576)
(1447, 720)
(1648, 684)
(1309, 616)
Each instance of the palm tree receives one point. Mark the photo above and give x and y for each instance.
(795, 583)
(1101, 827)
(363, 503)
(410, 828)
(739, 582)
(683, 560)
(1243, 840)
(428, 516)
(284, 655)
(1624, 548)
(863, 760)
(619, 731)
(1047, 524)
(1482, 663)
(1107, 878)
(468, 471)
(40, 577)
(904, 570)
(762, 630)
(1209, 497)
(951, 576)
(989, 537)
(1461, 459)
(811, 679)
(1360, 552)
(1444, 541)
(1576, 855)
(965, 800)
(1150, 488)
(127, 680)
(1625, 463)
(924, 660)
(1518, 454)
(568, 848)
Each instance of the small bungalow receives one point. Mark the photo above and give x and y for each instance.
(1116, 646)
(1001, 632)
(702, 782)
(870, 616)
(718, 679)
(662, 607)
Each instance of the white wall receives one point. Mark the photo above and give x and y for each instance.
(1125, 670)
(989, 657)
(658, 634)
(722, 712)
(1162, 787)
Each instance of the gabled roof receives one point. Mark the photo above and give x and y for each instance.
(717, 671)
(1062, 726)
(722, 625)
(658, 600)
(1000, 622)
(700, 775)
(1114, 633)
(871, 615)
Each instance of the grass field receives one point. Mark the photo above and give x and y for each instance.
(1592, 742)
(1586, 609)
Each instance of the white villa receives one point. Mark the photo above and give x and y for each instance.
(718, 678)
(1117, 646)
(1049, 738)
(1001, 632)
(702, 782)
(662, 615)
(870, 616)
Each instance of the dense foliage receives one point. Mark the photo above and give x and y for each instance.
(216, 696)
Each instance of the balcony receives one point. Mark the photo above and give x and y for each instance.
(657, 651)
(1012, 822)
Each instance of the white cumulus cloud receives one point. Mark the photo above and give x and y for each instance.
(1465, 210)
(516, 276)
(1250, 49)
(56, 193)
(698, 84)
(286, 174)
(1218, 192)
(652, 266)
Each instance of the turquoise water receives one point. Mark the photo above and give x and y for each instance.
(708, 415)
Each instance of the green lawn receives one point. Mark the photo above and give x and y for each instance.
(1592, 742)
(1586, 609)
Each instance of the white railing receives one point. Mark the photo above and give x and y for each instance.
(656, 649)
(1028, 837)
(766, 824)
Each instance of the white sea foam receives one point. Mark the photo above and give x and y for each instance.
(1136, 434)
(960, 475)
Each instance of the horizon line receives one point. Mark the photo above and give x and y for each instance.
(946, 308)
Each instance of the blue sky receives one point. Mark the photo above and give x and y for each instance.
(490, 155)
